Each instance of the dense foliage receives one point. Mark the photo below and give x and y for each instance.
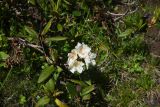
(37, 35)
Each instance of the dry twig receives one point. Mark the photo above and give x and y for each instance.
(25, 43)
(118, 16)
(121, 15)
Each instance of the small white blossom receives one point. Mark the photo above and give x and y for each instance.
(90, 59)
(84, 53)
(72, 57)
(77, 66)
(83, 50)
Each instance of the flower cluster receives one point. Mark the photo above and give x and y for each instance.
(82, 52)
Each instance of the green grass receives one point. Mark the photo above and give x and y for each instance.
(36, 37)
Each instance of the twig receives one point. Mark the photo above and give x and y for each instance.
(127, 3)
(26, 43)
(127, 13)
(130, 12)
(121, 15)
(114, 14)
(35, 47)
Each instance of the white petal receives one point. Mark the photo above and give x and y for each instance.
(70, 61)
(73, 54)
(83, 51)
(92, 55)
(73, 69)
(93, 62)
(78, 45)
(75, 51)
(87, 62)
(77, 66)
(80, 69)
(72, 57)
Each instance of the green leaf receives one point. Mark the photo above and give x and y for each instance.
(32, 2)
(71, 89)
(126, 33)
(60, 103)
(3, 56)
(53, 54)
(56, 74)
(88, 82)
(158, 25)
(59, 27)
(87, 90)
(45, 73)
(47, 27)
(57, 5)
(86, 97)
(56, 38)
(43, 101)
(50, 85)
(78, 82)
(142, 26)
(67, 2)
(22, 99)
(2, 64)
(0, 37)
(59, 69)
(57, 93)
(76, 13)
(53, 4)
(31, 32)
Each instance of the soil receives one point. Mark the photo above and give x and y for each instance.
(152, 39)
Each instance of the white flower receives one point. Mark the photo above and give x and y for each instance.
(77, 66)
(83, 50)
(90, 59)
(72, 57)
(84, 53)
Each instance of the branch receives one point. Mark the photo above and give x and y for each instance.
(26, 43)
(129, 3)
(119, 16)
(114, 14)
(127, 13)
